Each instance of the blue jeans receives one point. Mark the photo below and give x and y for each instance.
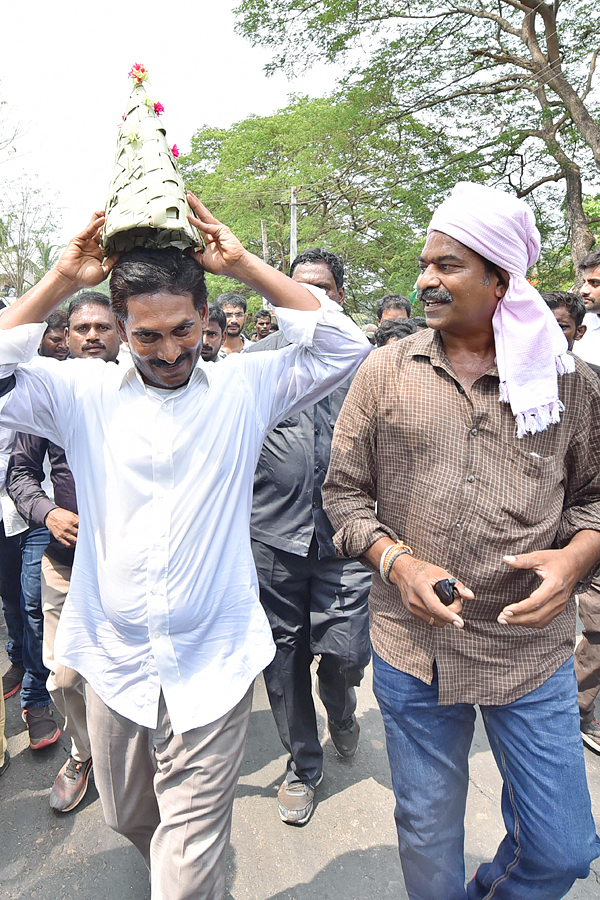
(26, 625)
(551, 838)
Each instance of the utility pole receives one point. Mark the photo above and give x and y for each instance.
(293, 227)
(265, 243)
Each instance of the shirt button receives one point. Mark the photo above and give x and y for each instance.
(156, 635)
(474, 432)
(461, 389)
(315, 504)
(317, 431)
(470, 478)
(316, 468)
(458, 526)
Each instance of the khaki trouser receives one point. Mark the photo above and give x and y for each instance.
(587, 654)
(3, 743)
(66, 687)
(171, 795)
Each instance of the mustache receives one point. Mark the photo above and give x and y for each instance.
(163, 364)
(89, 344)
(440, 294)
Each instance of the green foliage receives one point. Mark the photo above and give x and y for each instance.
(512, 82)
(365, 189)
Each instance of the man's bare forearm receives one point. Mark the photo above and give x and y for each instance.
(273, 285)
(582, 553)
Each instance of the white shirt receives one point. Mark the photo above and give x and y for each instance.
(588, 348)
(164, 593)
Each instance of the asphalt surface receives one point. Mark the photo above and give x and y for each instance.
(348, 850)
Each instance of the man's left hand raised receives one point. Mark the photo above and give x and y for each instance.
(223, 251)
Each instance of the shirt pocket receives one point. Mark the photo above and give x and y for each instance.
(534, 490)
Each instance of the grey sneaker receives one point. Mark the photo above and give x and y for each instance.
(590, 732)
(70, 785)
(296, 801)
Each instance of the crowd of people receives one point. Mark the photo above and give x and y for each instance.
(190, 500)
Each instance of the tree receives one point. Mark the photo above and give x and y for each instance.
(514, 80)
(360, 186)
(27, 224)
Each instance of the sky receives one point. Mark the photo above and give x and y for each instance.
(63, 78)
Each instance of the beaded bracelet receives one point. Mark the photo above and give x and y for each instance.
(389, 557)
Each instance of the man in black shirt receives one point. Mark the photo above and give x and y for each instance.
(91, 333)
(316, 602)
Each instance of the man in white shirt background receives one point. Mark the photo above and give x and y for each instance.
(588, 348)
(163, 619)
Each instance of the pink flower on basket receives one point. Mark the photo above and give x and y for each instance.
(138, 73)
(175, 150)
(158, 108)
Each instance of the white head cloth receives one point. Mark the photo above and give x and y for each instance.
(530, 346)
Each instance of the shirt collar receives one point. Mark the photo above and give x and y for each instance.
(202, 372)
(429, 343)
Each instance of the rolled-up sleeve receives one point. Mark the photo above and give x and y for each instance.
(350, 489)
(326, 348)
(581, 508)
(38, 397)
(19, 345)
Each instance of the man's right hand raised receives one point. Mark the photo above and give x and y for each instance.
(81, 265)
(63, 526)
(82, 262)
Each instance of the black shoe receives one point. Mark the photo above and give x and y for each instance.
(344, 737)
(6, 763)
(11, 682)
(43, 730)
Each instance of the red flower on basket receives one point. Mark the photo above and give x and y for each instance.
(175, 150)
(158, 108)
(138, 73)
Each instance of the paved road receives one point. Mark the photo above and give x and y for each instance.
(348, 849)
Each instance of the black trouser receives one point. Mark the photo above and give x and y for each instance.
(315, 607)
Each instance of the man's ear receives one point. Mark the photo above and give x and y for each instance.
(502, 283)
(342, 295)
(580, 332)
(121, 331)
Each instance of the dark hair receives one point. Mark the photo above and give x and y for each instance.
(394, 329)
(491, 269)
(145, 271)
(230, 298)
(573, 303)
(590, 260)
(316, 255)
(86, 298)
(216, 314)
(56, 319)
(419, 321)
(393, 301)
(262, 314)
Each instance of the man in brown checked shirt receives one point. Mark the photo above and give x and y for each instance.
(506, 497)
